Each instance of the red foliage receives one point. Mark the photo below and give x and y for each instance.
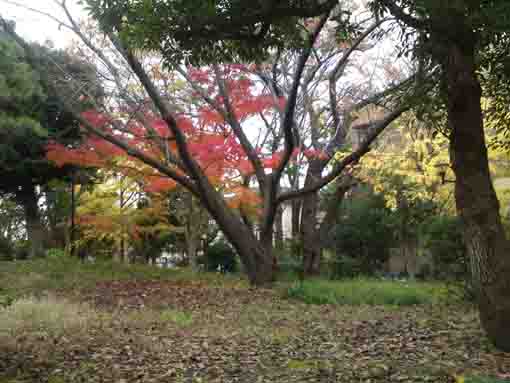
(211, 141)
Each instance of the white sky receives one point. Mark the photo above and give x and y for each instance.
(37, 27)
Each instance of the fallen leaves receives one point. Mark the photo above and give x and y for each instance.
(237, 334)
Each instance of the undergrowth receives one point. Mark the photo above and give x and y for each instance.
(367, 291)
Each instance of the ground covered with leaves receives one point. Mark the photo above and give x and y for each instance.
(173, 329)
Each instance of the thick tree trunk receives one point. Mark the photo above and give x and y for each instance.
(475, 197)
(35, 230)
(256, 256)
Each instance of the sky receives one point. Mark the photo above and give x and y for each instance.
(37, 27)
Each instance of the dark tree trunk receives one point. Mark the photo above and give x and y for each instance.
(256, 255)
(475, 197)
(279, 229)
(35, 229)
(295, 218)
(309, 231)
(343, 185)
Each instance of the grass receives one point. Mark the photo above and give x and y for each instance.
(367, 292)
(216, 332)
(45, 316)
(33, 277)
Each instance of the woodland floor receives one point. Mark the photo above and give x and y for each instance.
(202, 331)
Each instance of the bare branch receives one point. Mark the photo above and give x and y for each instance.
(288, 121)
(377, 129)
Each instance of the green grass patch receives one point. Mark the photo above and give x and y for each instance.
(369, 292)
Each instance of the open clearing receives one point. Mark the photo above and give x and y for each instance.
(162, 327)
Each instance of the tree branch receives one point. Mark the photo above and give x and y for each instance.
(377, 129)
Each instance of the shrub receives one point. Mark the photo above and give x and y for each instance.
(442, 236)
(363, 236)
(6, 249)
(55, 253)
(220, 256)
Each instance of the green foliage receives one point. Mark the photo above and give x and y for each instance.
(364, 233)
(220, 256)
(366, 291)
(442, 235)
(55, 253)
(204, 31)
(6, 249)
(347, 267)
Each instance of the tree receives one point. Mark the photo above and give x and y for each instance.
(322, 124)
(450, 35)
(183, 167)
(205, 31)
(30, 112)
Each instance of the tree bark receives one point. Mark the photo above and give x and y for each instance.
(256, 256)
(309, 231)
(295, 218)
(279, 229)
(475, 197)
(35, 229)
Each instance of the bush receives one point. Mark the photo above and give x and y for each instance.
(220, 256)
(6, 250)
(55, 253)
(442, 236)
(347, 267)
(363, 236)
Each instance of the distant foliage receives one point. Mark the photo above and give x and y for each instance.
(442, 235)
(6, 249)
(220, 257)
(363, 235)
(55, 253)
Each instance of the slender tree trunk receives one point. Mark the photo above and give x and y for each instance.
(475, 197)
(35, 230)
(309, 231)
(295, 218)
(279, 229)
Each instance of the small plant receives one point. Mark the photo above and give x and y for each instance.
(55, 253)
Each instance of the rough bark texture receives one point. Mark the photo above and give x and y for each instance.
(279, 229)
(309, 231)
(35, 230)
(475, 197)
(295, 218)
(255, 255)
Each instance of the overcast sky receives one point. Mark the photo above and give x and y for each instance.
(37, 27)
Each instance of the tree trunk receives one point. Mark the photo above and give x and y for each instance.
(309, 231)
(35, 230)
(475, 197)
(255, 255)
(295, 218)
(279, 229)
